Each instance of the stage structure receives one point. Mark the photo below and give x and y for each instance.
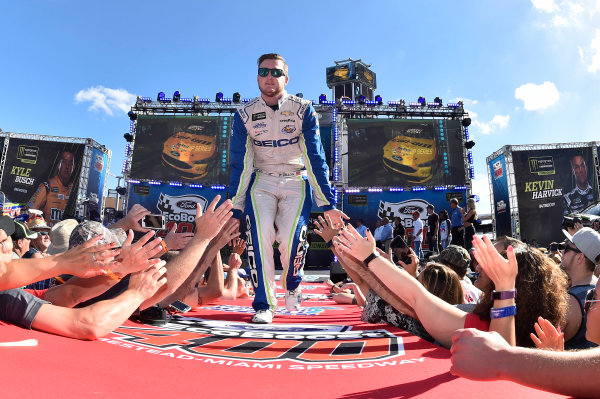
(386, 159)
(30, 173)
(534, 186)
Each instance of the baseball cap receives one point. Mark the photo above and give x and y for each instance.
(455, 257)
(21, 231)
(586, 240)
(59, 236)
(39, 224)
(7, 224)
(90, 229)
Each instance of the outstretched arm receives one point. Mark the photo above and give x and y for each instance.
(484, 356)
(439, 318)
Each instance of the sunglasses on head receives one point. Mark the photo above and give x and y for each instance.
(589, 300)
(275, 72)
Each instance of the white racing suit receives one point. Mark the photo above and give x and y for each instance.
(277, 162)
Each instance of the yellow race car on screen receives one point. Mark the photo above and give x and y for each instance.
(190, 152)
(412, 157)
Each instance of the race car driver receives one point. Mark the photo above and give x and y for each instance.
(277, 162)
(52, 196)
(582, 195)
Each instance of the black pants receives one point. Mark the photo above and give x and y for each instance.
(469, 234)
(458, 237)
(432, 244)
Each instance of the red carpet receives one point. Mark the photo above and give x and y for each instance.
(324, 351)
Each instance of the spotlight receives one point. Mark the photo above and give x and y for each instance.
(469, 144)
(237, 97)
(438, 101)
(422, 101)
(322, 98)
(132, 115)
(161, 96)
(466, 122)
(121, 190)
(128, 137)
(299, 95)
(361, 99)
(379, 100)
(219, 97)
(176, 96)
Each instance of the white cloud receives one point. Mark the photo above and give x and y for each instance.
(106, 99)
(537, 97)
(545, 5)
(559, 20)
(595, 56)
(497, 122)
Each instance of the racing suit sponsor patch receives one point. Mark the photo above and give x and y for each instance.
(259, 116)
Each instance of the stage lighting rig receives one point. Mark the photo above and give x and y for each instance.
(237, 97)
(466, 122)
(422, 101)
(469, 144)
(438, 101)
(379, 100)
(361, 100)
(128, 137)
(218, 97)
(161, 96)
(132, 115)
(176, 96)
(322, 98)
(121, 190)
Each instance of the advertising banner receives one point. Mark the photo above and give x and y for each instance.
(497, 170)
(405, 153)
(193, 149)
(371, 207)
(552, 183)
(44, 175)
(97, 175)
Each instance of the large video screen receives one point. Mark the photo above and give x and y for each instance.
(44, 175)
(191, 149)
(551, 184)
(405, 153)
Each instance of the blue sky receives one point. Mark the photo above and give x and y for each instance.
(527, 71)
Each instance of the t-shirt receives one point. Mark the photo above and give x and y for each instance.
(473, 321)
(432, 221)
(418, 226)
(444, 230)
(362, 230)
(470, 292)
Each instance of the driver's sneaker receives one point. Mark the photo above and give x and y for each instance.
(293, 299)
(263, 316)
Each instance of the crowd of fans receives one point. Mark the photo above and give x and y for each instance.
(520, 305)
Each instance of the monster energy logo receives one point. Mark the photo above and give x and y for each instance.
(541, 165)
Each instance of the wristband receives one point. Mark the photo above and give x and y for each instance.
(498, 313)
(369, 258)
(111, 274)
(504, 294)
(164, 246)
(329, 244)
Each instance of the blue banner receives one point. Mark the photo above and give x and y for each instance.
(97, 175)
(500, 196)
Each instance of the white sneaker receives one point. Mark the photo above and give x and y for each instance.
(263, 317)
(293, 299)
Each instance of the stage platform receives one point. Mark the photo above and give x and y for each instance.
(322, 351)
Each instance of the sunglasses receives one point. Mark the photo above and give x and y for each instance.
(570, 248)
(43, 233)
(275, 72)
(589, 300)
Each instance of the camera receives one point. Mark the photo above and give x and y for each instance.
(569, 221)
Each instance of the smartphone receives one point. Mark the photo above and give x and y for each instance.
(155, 222)
(181, 307)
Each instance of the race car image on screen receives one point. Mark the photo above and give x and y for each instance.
(411, 156)
(190, 152)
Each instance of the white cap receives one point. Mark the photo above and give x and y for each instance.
(586, 240)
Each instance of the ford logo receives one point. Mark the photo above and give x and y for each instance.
(186, 204)
(409, 209)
